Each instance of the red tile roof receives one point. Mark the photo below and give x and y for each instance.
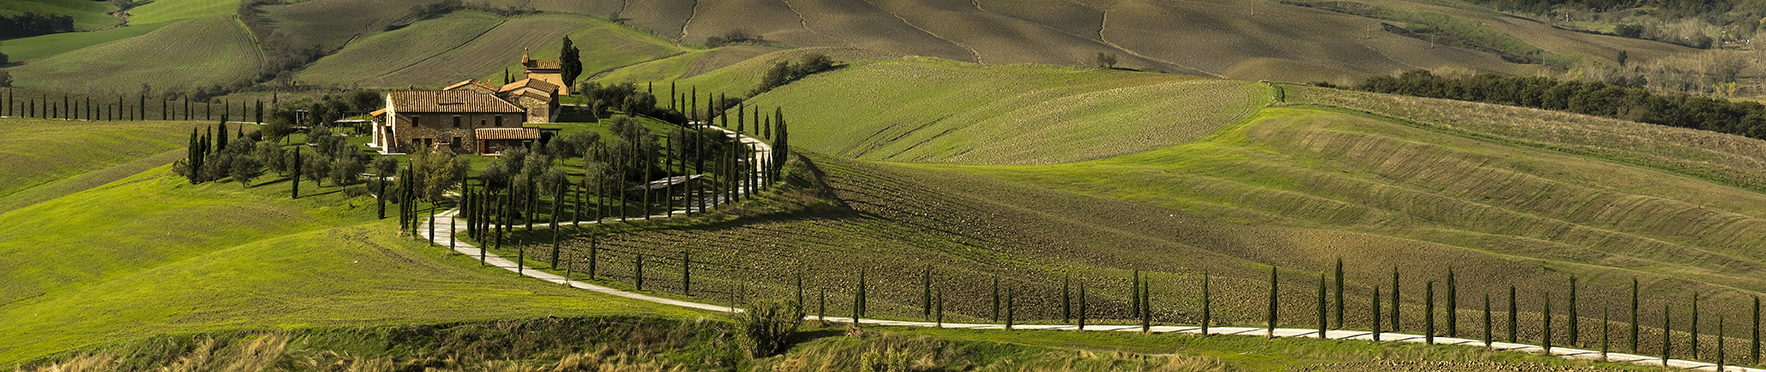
(419, 101)
(507, 133)
(471, 82)
(542, 85)
(544, 65)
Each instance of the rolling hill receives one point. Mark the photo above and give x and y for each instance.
(215, 50)
(1502, 196)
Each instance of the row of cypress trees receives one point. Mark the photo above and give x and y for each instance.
(84, 108)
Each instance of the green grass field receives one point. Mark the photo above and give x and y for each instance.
(159, 11)
(87, 14)
(25, 49)
(178, 258)
(49, 158)
(198, 52)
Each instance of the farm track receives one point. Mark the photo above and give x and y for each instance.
(1106, 39)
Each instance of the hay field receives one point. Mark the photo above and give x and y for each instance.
(927, 110)
(501, 47)
(177, 258)
(332, 24)
(160, 11)
(197, 52)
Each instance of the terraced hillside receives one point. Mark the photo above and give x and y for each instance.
(1502, 196)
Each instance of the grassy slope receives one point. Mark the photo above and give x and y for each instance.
(945, 111)
(369, 58)
(205, 51)
(29, 48)
(45, 153)
(159, 11)
(180, 258)
(87, 14)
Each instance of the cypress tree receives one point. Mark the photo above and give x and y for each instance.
(1545, 321)
(1272, 301)
(821, 305)
(1634, 324)
(1376, 313)
(638, 263)
(1395, 321)
(799, 281)
(1322, 324)
(432, 227)
(1720, 341)
(1513, 314)
(926, 293)
(259, 113)
(686, 273)
(594, 251)
(940, 308)
(996, 300)
(1487, 335)
(864, 295)
(1066, 300)
(1339, 279)
(1452, 308)
(1147, 305)
(521, 258)
(1666, 331)
(295, 193)
(187, 108)
(1695, 327)
(1573, 330)
(1754, 350)
(1429, 312)
(858, 297)
(1135, 296)
(1082, 309)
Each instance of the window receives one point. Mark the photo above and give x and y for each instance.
(416, 120)
(499, 120)
(456, 142)
(456, 121)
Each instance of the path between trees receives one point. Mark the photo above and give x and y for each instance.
(444, 236)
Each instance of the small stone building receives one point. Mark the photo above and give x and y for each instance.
(547, 71)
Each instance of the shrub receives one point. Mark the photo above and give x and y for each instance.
(767, 326)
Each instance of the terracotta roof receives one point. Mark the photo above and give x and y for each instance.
(507, 133)
(471, 82)
(534, 64)
(377, 112)
(531, 94)
(420, 101)
(542, 85)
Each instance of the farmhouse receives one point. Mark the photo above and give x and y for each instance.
(547, 71)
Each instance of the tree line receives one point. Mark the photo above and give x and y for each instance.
(1582, 97)
(125, 108)
(33, 24)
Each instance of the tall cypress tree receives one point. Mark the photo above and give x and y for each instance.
(295, 193)
(926, 293)
(1395, 322)
(1322, 323)
(594, 250)
(1545, 320)
(1513, 314)
(1667, 330)
(1272, 301)
(996, 300)
(638, 264)
(1339, 294)
(1147, 305)
(1720, 342)
(1573, 329)
(1695, 326)
(1487, 335)
(1375, 307)
(1452, 308)
(686, 273)
(1634, 324)
(1429, 312)
(1083, 307)
(1754, 350)
(1604, 324)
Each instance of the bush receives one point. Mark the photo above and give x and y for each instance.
(767, 326)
